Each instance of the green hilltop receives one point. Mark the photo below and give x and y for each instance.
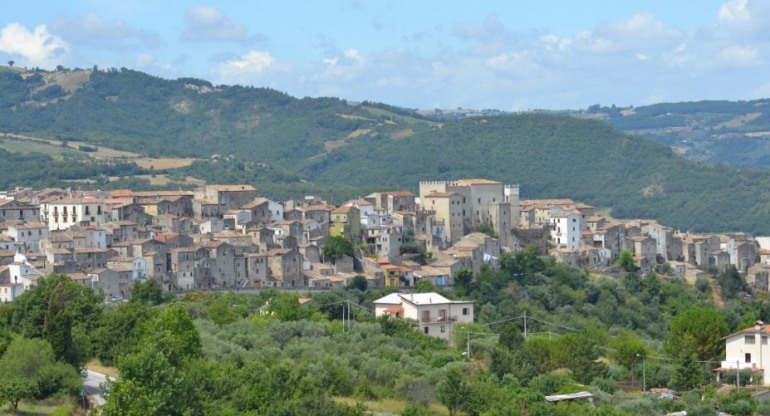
(289, 147)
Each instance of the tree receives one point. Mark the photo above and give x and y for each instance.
(463, 279)
(359, 282)
(731, 282)
(150, 385)
(424, 286)
(486, 228)
(11, 62)
(336, 247)
(688, 374)
(626, 261)
(174, 334)
(56, 309)
(630, 352)
(148, 292)
(697, 331)
(454, 392)
(29, 369)
(119, 332)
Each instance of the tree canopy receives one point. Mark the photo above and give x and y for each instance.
(336, 247)
(697, 331)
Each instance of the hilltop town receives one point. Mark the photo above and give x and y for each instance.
(230, 237)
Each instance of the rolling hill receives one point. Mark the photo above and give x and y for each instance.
(289, 147)
(733, 133)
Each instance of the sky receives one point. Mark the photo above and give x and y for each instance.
(510, 55)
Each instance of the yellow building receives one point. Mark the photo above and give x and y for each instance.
(346, 222)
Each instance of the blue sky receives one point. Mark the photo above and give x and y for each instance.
(508, 55)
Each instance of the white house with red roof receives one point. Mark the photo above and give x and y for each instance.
(748, 349)
(435, 314)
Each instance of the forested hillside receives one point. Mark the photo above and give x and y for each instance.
(290, 147)
(733, 133)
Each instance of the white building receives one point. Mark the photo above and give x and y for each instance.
(565, 229)
(22, 276)
(749, 349)
(276, 210)
(27, 236)
(64, 213)
(435, 314)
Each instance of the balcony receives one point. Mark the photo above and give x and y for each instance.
(438, 319)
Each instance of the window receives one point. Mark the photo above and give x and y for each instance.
(426, 316)
(764, 339)
(465, 311)
(749, 339)
(443, 329)
(425, 330)
(748, 358)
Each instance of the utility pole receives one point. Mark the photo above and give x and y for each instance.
(468, 347)
(738, 375)
(343, 317)
(349, 314)
(525, 324)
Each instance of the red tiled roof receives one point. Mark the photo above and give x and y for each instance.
(393, 309)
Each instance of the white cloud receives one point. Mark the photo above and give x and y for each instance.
(210, 24)
(641, 32)
(34, 48)
(253, 68)
(91, 30)
(738, 56)
(638, 60)
(734, 12)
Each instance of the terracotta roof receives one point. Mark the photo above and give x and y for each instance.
(76, 201)
(120, 267)
(255, 203)
(358, 202)
(90, 250)
(393, 309)
(166, 237)
(763, 329)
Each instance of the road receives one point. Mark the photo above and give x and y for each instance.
(93, 387)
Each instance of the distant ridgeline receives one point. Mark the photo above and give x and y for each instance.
(291, 147)
(733, 133)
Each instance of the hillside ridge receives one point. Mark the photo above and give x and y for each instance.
(298, 146)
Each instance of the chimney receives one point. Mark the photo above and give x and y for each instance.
(758, 325)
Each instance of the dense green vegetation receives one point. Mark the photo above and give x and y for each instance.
(541, 328)
(38, 170)
(289, 147)
(733, 133)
